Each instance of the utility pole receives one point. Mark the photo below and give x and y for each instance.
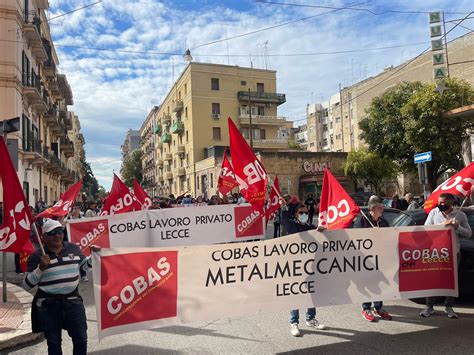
(250, 124)
(446, 45)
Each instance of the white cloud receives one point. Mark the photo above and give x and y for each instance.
(113, 91)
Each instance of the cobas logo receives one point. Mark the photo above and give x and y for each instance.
(248, 222)
(426, 260)
(145, 290)
(89, 233)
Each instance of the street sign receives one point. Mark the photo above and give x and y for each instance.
(422, 157)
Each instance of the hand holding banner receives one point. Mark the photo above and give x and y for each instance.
(227, 180)
(249, 172)
(337, 209)
(458, 184)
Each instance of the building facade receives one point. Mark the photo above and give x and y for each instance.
(149, 134)
(340, 132)
(131, 142)
(44, 150)
(191, 123)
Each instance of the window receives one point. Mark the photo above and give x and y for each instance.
(185, 89)
(216, 133)
(187, 159)
(262, 134)
(338, 119)
(311, 145)
(245, 132)
(197, 183)
(260, 87)
(212, 180)
(187, 137)
(330, 125)
(186, 112)
(261, 111)
(243, 83)
(325, 128)
(216, 108)
(325, 142)
(339, 136)
(214, 84)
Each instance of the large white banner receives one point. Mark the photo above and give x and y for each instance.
(137, 289)
(200, 225)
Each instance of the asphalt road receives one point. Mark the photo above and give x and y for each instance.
(269, 333)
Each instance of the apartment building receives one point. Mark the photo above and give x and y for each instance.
(45, 152)
(190, 125)
(131, 142)
(334, 125)
(149, 134)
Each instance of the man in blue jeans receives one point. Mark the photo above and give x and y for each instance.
(299, 223)
(57, 304)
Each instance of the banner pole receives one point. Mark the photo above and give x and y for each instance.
(462, 205)
(367, 218)
(35, 229)
(4, 264)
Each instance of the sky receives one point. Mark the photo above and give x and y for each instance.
(121, 57)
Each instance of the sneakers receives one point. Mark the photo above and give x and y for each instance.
(368, 316)
(84, 278)
(315, 324)
(295, 330)
(450, 312)
(382, 314)
(428, 311)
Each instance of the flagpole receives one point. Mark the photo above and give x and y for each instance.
(367, 218)
(462, 205)
(35, 229)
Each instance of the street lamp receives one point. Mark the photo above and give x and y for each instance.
(187, 56)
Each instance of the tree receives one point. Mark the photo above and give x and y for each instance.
(409, 119)
(294, 145)
(102, 192)
(90, 186)
(369, 167)
(132, 168)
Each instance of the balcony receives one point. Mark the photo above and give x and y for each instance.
(67, 147)
(157, 129)
(244, 119)
(270, 144)
(166, 119)
(34, 92)
(58, 130)
(33, 152)
(180, 172)
(181, 149)
(159, 145)
(168, 175)
(51, 116)
(159, 162)
(178, 106)
(67, 122)
(54, 164)
(32, 32)
(168, 157)
(166, 137)
(263, 97)
(177, 127)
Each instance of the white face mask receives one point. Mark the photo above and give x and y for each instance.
(303, 218)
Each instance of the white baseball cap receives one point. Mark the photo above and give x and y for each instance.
(50, 224)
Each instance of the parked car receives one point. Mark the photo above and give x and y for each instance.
(466, 268)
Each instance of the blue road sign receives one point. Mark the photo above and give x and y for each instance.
(422, 157)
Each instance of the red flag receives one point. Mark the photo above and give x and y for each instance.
(458, 184)
(226, 181)
(249, 172)
(337, 210)
(17, 219)
(274, 201)
(65, 203)
(28, 249)
(120, 199)
(141, 195)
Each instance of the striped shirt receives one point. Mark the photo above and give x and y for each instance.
(61, 276)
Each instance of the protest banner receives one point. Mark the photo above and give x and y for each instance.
(176, 285)
(168, 227)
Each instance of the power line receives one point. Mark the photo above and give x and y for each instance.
(78, 9)
(272, 27)
(381, 12)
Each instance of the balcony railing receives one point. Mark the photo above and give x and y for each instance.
(166, 118)
(178, 106)
(157, 129)
(181, 149)
(166, 137)
(177, 127)
(168, 157)
(269, 143)
(267, 97)
(168, 175)
(263, 120)
(32, 145)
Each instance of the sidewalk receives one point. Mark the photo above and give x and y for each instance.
(15, 316)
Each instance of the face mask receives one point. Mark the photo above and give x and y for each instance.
(303, 218)
(443, 208)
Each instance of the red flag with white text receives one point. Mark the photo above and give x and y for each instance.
(226, 181)
(17, 219)
(337, 209)
(141, 195)
(120, 199)
(249, 172)
(274, 200)
(458, 184)
(65, 203)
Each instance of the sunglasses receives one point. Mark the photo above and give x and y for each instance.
(55, 232)
(302, 212)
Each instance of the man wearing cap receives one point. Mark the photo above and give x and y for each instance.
(57, 304)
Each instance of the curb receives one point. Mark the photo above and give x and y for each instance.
(23, 334)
